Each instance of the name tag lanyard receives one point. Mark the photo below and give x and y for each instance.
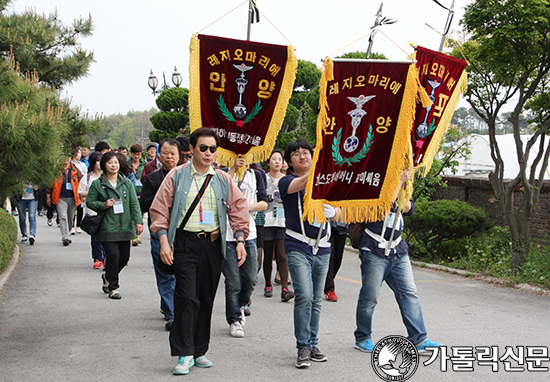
(200, 198)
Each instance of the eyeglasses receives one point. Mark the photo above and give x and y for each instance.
(187, 156)
(298, 154)
(203, 148)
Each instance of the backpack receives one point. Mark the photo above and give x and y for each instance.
(355, 230)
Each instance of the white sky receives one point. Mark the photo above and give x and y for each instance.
(132, 37)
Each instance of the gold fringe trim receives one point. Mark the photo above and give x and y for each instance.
(195, 118)
(354, 211)
(424, 166)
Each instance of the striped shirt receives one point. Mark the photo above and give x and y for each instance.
(208, 202)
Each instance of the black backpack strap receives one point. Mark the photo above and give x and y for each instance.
(195, 202)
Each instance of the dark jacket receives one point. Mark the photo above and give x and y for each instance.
(151, 185)
(115, 227)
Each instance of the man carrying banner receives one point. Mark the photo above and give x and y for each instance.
(384, 257)
(189, 214)
(307, 248)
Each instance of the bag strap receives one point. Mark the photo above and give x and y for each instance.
(195, 202)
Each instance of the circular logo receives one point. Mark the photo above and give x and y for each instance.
(394, 358)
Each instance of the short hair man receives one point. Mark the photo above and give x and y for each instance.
(85, 151)
(185, 153)
(196, 250)
(385, 257)
(169, 155)
(307, 253)
(102, 147)
(153, 162)
(123, 150)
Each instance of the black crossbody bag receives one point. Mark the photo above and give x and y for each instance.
(169, 269)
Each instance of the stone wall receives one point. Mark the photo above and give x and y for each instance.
(479, 192)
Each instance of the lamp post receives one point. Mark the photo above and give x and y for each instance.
(153, 82)
(378, 22)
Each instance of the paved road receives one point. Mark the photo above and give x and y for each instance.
(57, 325)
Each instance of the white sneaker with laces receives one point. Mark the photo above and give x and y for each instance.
(236, 330)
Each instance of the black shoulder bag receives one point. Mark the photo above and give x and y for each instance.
(169, 269)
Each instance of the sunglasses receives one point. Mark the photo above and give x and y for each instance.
(186, 156)
(203, 148)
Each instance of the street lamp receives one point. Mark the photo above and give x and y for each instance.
(378, 22)
(153, 82)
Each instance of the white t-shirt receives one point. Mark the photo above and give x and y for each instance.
(249, 189)
(84, 186)
(275, 213)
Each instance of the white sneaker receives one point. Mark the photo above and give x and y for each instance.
(77, 230)
(184, 364)
(243, 317)
(236, 330)
(72, 231)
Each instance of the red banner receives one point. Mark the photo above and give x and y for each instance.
(241, 89)
(444, 79)
(363, 132)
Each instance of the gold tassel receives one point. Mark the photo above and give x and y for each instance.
(444, 123)
(195, 118)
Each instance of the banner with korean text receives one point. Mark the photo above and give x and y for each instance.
(444, 78)
(363, 137)
(241, 89)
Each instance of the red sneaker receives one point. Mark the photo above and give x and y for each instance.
(331, 296)
(98, 264)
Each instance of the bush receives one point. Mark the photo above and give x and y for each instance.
(436, 226)
(8, 238)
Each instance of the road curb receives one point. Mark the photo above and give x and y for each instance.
(4, 277)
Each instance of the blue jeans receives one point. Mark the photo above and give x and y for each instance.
(22, 206)
(165, 283)
(239, 281)
(308, 277)
(98, 253)
(397, 272)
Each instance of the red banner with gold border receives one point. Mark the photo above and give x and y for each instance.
(363, 137)
(444, 79)
(241, 89)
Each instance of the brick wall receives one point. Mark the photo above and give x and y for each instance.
(479, 193)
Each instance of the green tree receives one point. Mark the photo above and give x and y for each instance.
(509, 56)
(44, 44)
(31, 128)
(173, 118)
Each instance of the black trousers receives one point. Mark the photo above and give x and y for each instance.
(337, 244)
(197, 267)
(117, 255)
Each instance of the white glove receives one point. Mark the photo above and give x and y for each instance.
(277, 197)
(329, 211)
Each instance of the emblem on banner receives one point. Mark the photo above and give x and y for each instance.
(240, 112)
(423, 130)
(352, 142)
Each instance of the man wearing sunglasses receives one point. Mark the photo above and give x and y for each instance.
(196, 250)
(185, 154)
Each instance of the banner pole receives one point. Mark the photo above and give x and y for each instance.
(250, 15)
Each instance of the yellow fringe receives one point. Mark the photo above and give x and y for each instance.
(354, 211)
(443, 126)
(255, 154)
(195, 118)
